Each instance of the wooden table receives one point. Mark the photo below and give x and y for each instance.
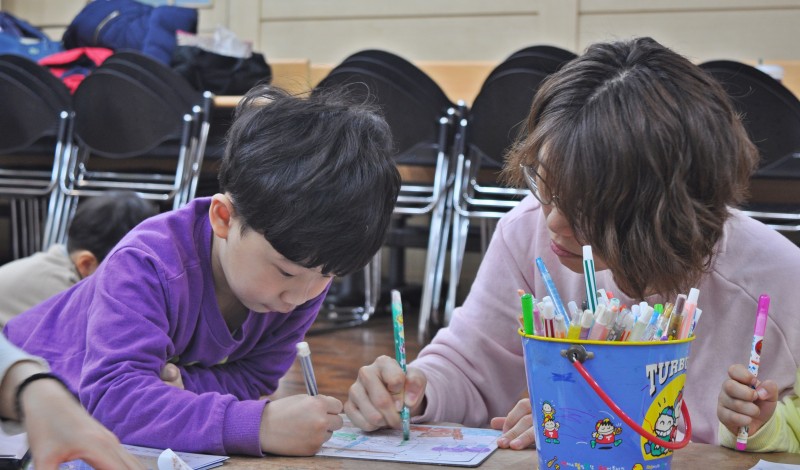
(695, 456)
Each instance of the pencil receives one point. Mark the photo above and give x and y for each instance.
(589, 277)
(400, 353)
(304, 353)
(755, 357)
(551, 289)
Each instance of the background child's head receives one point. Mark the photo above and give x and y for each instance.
(644, 152)
(100, 222)
(314, 175)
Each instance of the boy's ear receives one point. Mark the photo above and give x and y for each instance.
(85, 262)
(221, 215)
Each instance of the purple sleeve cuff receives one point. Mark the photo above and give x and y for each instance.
(242, 427)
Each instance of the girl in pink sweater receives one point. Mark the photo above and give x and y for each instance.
(635, 151)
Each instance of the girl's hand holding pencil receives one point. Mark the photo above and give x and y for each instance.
(377, 396)
(746, 401)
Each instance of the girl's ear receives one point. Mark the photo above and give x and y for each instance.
(221, 215)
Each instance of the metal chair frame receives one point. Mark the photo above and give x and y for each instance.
(470, 198)
(36, 91)
(190, 131)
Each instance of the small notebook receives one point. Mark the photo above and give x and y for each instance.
(13, 450)
(149, 457)
(14, 447)
(438, 445)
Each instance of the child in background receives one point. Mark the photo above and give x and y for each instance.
(59, 429)
(99, 223)
(634, 150)
(774, 426)
(226, 286)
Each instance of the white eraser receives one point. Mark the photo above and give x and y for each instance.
(303, 349)
(169, 460)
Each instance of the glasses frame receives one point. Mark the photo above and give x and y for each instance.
(531, 176)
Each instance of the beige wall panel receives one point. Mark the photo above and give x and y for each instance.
(704, 35)
(45, 12)
(490, 38)
(240, 16)
(673, 5)
(209, 18)
(559, 23)
(316, 9)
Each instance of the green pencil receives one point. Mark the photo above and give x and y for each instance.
(400, 353)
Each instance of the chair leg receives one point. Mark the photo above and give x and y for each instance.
(372, 286)
(436, 301)
(70, 204)
(53, 214)
(15, 248)
(457, 250)
(24, 213)
(460, 230)
(36, 224)
(429, 282)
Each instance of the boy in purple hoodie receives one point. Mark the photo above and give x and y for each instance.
(225, 287)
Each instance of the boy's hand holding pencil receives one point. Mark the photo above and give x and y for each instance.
(298, 425)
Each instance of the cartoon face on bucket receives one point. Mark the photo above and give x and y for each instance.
(662, 418)
(605, 434)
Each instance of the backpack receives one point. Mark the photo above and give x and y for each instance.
(18, 37)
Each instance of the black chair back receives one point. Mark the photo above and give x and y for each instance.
(120, 117)
(401, 66)
(770, 113)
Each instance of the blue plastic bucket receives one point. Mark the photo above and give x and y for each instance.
(634, 427)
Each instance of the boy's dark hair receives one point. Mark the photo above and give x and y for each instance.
(314, 176)
(100, 222)
(645, 153)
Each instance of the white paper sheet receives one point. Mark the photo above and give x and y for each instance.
(440, 445)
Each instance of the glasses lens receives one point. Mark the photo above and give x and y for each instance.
(532, 180)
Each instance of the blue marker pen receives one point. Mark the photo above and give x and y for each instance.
(551, 289)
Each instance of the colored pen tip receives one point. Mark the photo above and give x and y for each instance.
(763, 303)
(741, 446)
(520, 292)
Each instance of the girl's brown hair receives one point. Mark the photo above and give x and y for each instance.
(645, 153)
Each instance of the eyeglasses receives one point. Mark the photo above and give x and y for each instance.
(531, 180)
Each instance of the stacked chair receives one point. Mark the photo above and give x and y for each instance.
(36, 123)
(771, 115)
(484, 134)
(139, 126)
(421, 119)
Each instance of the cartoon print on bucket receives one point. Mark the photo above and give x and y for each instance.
(662, 418)
(605, 434)
(643, 383)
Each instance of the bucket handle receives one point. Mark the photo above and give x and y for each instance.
(577, 354)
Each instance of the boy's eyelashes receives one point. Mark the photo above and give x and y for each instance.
(284, 273)
(288, 274)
